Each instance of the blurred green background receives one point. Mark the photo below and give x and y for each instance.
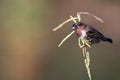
(28, 47)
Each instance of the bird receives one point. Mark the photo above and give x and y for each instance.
(89, 33)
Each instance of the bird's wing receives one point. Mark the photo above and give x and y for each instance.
(94, 33)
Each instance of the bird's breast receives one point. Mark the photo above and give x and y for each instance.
(81, 32)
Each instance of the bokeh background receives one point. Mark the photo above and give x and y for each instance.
(28, 47)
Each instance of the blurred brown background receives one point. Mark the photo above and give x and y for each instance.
(28, 47)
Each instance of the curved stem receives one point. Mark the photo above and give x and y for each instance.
(63, 23)
(64, 39)
(97, 18)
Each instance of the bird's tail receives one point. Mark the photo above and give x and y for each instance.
(109, 40)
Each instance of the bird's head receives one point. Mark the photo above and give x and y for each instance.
(76, 25)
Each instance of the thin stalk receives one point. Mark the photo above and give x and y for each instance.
(87, 62)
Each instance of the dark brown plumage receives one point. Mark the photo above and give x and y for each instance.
(90, 33)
